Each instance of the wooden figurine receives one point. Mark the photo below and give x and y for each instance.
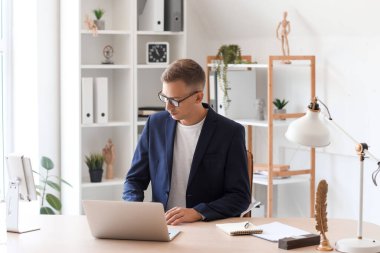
(91, 25)
(283, 29)
(109, 158)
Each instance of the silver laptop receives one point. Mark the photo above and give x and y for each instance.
(127, 220)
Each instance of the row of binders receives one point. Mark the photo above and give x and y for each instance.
(94, 100)
(160, 15)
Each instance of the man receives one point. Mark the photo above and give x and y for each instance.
(194, 158)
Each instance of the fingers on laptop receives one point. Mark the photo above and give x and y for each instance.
(179, 215)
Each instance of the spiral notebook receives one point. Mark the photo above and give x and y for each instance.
(240, 228)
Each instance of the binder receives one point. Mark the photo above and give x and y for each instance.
(173, 15)
(101, 100)
(151, 17)
(87, 101)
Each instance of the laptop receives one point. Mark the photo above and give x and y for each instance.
(128, 220)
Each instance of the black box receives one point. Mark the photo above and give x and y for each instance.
(299, 241)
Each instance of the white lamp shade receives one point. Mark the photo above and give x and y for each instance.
(309, 130)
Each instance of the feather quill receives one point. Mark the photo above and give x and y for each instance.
(320, 208)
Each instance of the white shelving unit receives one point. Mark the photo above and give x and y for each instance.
(118, 34)
(131, 84)
(148, 76)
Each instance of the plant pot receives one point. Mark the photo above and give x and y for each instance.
(280, 111)
(99, 24)
(96, 175)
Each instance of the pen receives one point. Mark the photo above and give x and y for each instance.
(246, 225)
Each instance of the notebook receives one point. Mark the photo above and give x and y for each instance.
(128, 220)
(240, 228)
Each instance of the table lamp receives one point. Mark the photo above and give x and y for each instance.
(311, 130)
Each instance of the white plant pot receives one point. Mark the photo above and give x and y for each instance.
(99, 24)
(280, 111)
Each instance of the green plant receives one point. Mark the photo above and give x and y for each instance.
(46, 180)
(280, 104)
(227, 54)
(95, 161)
(98, 13)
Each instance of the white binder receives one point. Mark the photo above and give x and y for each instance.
(101, 100)
(87, 101)
(152, 16)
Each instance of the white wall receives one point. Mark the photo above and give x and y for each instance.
(345, 37)
(35, 90)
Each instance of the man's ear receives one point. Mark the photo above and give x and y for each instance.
(199, 97)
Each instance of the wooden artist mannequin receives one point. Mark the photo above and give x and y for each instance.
(109, 158)
(283, 29)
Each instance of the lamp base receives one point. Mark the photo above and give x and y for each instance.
(355, 245)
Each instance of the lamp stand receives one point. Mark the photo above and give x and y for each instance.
(359, 244)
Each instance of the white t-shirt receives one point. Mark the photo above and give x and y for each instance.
(185, 141)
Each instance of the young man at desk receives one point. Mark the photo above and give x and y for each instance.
(194, 158)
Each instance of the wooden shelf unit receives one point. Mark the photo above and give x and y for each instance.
(272, 117)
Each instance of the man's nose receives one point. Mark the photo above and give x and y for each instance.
(168, 105)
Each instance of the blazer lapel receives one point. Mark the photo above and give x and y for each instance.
(170, 129)
(204, 138)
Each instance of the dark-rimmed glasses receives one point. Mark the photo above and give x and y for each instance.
(173, 101)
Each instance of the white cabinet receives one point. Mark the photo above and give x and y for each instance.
(132, 83)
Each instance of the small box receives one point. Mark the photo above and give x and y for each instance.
(299, 241)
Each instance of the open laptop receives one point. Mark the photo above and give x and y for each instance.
(127, 220)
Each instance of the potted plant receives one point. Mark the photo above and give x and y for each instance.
(95, 167)
(227, 54)
(98, 15)
(280, 105)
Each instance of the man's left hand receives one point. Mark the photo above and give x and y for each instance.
(178, 215)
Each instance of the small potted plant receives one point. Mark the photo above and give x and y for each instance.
(95, 167)
(280, 105)
(98, 15)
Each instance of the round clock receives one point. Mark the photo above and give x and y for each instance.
(157, 53)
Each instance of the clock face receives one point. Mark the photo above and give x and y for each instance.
(158, 53)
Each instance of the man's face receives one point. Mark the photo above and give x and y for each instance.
(178, 90)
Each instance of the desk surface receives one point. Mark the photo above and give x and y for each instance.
(72, 234)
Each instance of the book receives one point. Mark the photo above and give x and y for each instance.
(240, 228)
(147, 111)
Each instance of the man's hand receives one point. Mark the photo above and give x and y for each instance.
(178, 215)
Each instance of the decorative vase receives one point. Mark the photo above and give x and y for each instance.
(280, 111)
(96, 175)
(260, 104)
(99, 24)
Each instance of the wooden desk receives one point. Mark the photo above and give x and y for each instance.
(71, 234)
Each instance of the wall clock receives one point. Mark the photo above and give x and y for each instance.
(157, 53)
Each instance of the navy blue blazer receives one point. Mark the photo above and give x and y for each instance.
(218, 185)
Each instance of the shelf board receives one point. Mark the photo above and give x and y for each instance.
(159, 33)
(141, 122)
(152, 66)
(105, 66)
(241, 66)
(104, 183)
(263, 180)
(107, 32)
(109, 124)
(261, 123)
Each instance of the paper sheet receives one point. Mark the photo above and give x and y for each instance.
(276, 230)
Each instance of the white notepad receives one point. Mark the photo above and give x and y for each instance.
(275, 231)
(240, 228)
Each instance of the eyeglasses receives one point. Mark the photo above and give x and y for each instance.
(173, 101)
